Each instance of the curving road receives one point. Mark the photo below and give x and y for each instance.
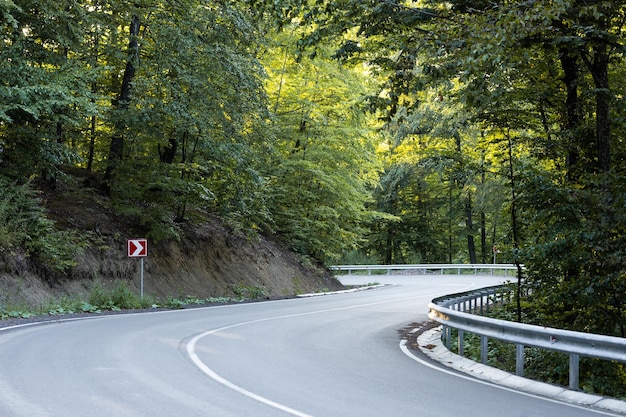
(328, 356)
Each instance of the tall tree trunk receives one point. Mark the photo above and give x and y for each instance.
(573, 117)
(92, 143)
(469, 227)
(450, 202)
(483, 237)
(94, 90)
(389, 248)
(570, 63)
(600, 72)
(122, 102)
(483, 217)
(515, 232)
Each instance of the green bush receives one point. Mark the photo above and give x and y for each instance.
(24, 225)
(99, 296)
(121, 297)
(247, 292)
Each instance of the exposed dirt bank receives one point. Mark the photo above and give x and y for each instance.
(209, 260)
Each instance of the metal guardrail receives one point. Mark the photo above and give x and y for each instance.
(492, 269)
(455, 311)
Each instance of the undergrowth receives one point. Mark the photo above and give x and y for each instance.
(600, 377)
(123, 297)
(25, 226)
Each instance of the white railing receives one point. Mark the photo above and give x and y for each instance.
(455, 311)
(491, 269)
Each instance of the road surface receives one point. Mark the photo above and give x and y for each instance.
(326, 356)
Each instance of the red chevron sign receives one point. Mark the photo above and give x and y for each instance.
(137, 248)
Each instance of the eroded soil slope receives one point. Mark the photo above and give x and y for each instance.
(209, 260)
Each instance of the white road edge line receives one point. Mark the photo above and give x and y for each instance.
(191, 345)
(193, 356)
(407, 352)
(212, 374)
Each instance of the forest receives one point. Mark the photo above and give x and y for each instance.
(357, 131)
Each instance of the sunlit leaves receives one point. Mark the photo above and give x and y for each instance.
(193, 124)
(317, 188)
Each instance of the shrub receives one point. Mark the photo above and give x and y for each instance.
(23, 224)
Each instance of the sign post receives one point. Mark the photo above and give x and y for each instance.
(138, 248)
(496, 251)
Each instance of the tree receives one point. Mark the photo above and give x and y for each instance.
(534, 76)
(38, 89)
(325, 154)
(187, 126)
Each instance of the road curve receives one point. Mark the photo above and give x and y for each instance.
(328, 356)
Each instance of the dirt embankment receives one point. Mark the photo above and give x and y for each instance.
(209, 260)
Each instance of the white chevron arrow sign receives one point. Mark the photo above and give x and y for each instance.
(137, 248)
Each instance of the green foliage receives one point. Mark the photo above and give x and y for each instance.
(603, 378)
(68, 305)
(248, 292)
(42, 90)
(175, 303)
(189, 300)
(24, 225)
(507, 113)
(14, 314)
(576, 267)
(176, 117)
(316, 189)
(122, 297)
(487, 116)
(193, 121)
(597, 376)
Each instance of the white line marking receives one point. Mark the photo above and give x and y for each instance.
(491, 384)
(209, 372)
(191, 352)
(191, 345)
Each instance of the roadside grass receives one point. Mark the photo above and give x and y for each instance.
(122, 297)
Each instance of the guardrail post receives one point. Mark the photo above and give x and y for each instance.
(484, 349)
(520, 335)
(519, 360)
(574, 362)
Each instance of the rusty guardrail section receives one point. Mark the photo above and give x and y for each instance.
(462, 312)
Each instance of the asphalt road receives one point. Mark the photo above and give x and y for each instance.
(326, 356)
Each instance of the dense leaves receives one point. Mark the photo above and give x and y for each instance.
(505, 121)
(382, 131)
(167, 104)
(317, 187)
